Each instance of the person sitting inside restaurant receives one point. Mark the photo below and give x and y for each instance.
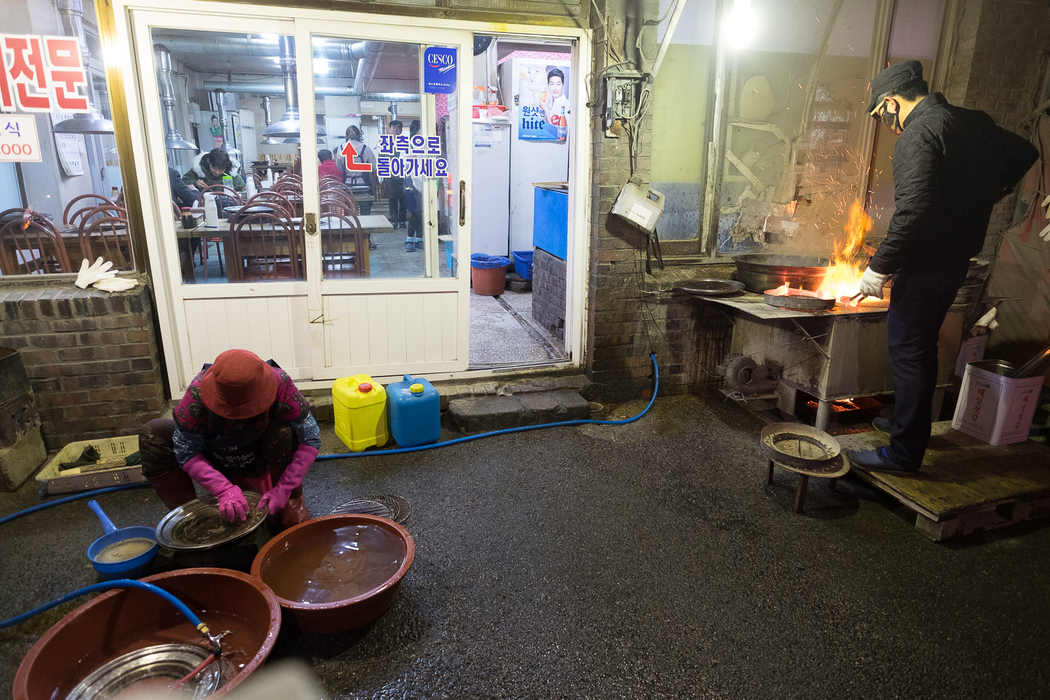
(241, 425)
(328, 166)
(210, 168)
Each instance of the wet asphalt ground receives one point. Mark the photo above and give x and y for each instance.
(647, 560)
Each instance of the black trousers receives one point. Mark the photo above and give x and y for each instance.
(395, 192)
(919, 301)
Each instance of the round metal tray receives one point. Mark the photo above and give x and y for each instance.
(162, 662)
(197, 525)
(388, 505)
(794, 299)
(804, 449)
(710, 287)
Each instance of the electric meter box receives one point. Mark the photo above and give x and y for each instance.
(640, 205)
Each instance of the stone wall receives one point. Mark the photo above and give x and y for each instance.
(548, 293)
(91, 358)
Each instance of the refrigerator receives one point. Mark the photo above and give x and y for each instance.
(508, 160)
(490, 211)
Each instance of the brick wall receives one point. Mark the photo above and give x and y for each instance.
(91, 358)
(548, 293)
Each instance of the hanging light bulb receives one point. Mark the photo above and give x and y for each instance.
(741, 25)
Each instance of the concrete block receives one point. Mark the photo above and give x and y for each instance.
(22, 460)
(488, 413)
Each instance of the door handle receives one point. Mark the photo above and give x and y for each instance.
(462, 202)
(311, 223)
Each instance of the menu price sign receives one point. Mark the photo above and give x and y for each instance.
(19, 142)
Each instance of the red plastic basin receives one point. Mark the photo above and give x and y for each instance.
(123, 620)
(338, 572)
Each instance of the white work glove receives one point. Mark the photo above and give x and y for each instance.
(872, 282)
(115, 284)
(97, 271)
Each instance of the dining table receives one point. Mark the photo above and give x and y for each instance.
(223, 232)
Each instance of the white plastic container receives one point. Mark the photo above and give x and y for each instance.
(211, 211)
(972, 350)
(993, 407)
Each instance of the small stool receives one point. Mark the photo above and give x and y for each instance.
(804, 450)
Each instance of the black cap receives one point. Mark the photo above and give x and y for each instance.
(892, 78)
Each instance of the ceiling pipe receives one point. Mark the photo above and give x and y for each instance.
(269, 140)
(330, 91)
(366, 67)
(220, 99)
(172, 137)
(255, 46)
(92, 121)
(288, 127)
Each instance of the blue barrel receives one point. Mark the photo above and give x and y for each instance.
(415, 412)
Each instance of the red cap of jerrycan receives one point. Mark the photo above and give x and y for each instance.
(364, 388)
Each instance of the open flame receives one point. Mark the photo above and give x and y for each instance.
(842, 280)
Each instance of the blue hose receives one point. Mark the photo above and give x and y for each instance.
(521, 429)
(67, 499)
(106, 585)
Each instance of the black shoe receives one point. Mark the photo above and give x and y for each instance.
(877, 461)
(883, 425)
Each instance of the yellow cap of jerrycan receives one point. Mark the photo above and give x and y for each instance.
(359, 404)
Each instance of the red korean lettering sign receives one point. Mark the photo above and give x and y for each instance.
(42, 74)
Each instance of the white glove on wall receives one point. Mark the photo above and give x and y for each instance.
(116, 284)
(872, 282)
(97, 271)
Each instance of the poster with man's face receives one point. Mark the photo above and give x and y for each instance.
(542, 99)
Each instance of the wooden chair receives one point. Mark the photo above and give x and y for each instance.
(344, 247)
(107, 237)
(223, 191)
(289, 185)
(69, 215)
(329, 181)
(274, 200)
(32, 247)
(339, 201)
(267, 247)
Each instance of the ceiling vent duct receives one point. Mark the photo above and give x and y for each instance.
(172, 138)
(92, 121)
(269, 140)
(288, 127)
(220, 99)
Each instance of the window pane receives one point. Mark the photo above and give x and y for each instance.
(793, 146)
(60, 180)
(231, 125)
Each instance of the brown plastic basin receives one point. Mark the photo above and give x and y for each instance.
(338, 572)
(123, 620)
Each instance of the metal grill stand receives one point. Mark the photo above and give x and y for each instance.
(806, 451)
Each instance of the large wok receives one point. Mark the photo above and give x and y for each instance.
(759, 271)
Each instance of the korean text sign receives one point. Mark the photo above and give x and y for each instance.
(410, 156)
(42, 74)
(18, 139)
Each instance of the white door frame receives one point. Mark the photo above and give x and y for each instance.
(144, 108)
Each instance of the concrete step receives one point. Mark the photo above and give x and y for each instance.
(453, 390)
(485, 413)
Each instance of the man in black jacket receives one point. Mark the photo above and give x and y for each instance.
(950, 166)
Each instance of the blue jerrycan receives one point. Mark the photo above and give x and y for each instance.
(415, 412)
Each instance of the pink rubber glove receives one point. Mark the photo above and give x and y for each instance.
(277, 497)
(232, 504)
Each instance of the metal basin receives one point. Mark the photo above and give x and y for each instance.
(760, 272)
(122, 621)
(338, 572)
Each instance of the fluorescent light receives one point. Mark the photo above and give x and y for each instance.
(741, 25)
(321, 66)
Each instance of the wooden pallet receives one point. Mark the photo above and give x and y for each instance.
(965, 485)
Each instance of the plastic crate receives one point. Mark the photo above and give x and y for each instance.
(523, 263)
(112, 450)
